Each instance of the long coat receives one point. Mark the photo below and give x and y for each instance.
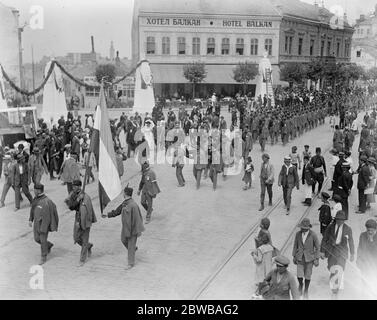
(363, 178)
(340, 251)
(148, 184)
(18, 179)
(263, 261)
(308, 250)
(44, 215)
(132, 221)
(367, 253)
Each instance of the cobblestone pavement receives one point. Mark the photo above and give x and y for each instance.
(191, 233)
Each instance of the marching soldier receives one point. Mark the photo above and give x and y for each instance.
(44, 219)
(149, 188)
(132, 224)
(85, 216)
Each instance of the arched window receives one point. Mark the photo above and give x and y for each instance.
(165, 45)
(211, 46)
(225, 46)
(240, 46)
(151, 45)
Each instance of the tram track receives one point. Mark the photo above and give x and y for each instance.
(224, 262)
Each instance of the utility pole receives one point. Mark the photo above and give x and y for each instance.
(32, 69)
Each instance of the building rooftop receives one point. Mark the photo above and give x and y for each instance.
(208, 7)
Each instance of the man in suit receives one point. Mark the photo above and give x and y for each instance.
(344, 186)
(362, 183)
(70, 171)
(305, 254)
(288, 179)
(337, 173)
(20, 180)
(149, 188)
(266, 180)
(336, 242)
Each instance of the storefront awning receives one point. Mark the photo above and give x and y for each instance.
(216, 74)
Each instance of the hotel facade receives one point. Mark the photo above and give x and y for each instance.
(221, 34)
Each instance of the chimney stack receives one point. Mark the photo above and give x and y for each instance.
(92, 38)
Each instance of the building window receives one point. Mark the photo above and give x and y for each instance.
(92, 92)
(151, 45)
(196, 46)
(181, 45)
(211, 46)
(225, 46)
(322, 48)
(268, 46)
(300, 42)
(254, 47)
(361, 31)
(358, 53)
(165, 45)
(312, 46)
(288, 44)
(346, 49)
(328, 48)
(239, 46)
(337, 49)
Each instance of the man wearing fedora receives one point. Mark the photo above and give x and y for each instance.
(336, 243)
(37, 166)
(132, 224)
(280, 282)
(20, 179)
(288, 179)
(44, 219)
(362, 183)
(305, 254)
(266, 180)
(149, 189)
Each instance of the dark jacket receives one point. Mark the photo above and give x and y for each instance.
(290, 180)
(363, 178)
(18, 179)
(132, 221)
(282, 290)
(307, 174)
(308, 250)
(345, 184)
(44, 215)
(367, 253)
(329, 247)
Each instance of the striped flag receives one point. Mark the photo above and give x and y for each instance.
(102, 145)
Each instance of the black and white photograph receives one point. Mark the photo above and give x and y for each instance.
(193, 150)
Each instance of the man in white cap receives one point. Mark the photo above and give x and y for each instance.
(288, 179)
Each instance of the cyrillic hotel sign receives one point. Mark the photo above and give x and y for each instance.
(153, 21)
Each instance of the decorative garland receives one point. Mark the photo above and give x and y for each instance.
(53, 63)
(24, 92)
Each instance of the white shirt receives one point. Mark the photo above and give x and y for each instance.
(290, 166)
(21, 167)
(304, 236)
(339, 237)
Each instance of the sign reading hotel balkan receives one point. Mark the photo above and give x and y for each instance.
(200, 22)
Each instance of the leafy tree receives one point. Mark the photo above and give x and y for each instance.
(316, 69)
(293, 72)
(371, 74)
(244, 73)
(195, 73)
(106, 71)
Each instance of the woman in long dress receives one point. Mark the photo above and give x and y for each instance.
(147, 131)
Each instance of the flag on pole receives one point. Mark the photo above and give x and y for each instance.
(102, 145)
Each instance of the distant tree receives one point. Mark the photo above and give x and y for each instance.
(371, 74)
(107, 71)
(293, 72)
(194, 72)
(244, 73)
(315, 69)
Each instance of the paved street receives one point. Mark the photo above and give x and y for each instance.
(191, 234)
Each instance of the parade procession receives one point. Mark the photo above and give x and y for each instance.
(234, 152)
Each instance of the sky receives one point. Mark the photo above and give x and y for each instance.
(68, 24)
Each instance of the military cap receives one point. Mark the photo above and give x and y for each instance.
(77, 183)
(287, 158)
(305, 224)
(128, 191)
(266, 155)
(282, 261)
(340, 215)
